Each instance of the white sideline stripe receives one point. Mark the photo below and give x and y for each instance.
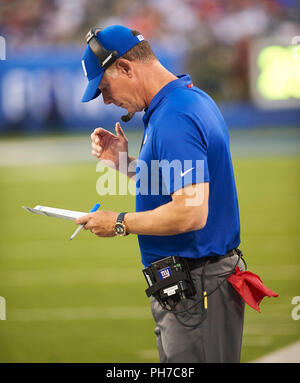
(276, 272)
(148, 354)
(66, 277)
(78, 313)
(271, 329)
(42, 151)
(289, 354)
(110, 275)
(257, 341)
(71, 149)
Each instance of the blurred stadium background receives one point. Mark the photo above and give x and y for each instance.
(84, 301)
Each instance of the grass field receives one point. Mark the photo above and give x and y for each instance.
(84, 301)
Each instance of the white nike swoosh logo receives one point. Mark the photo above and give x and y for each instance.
(145, 139)
(187, 171)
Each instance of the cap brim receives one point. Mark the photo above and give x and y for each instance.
(92, 91)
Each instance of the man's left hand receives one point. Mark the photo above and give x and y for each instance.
(101, 222)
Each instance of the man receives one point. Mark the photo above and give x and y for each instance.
(191, 213)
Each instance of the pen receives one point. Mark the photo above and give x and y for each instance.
(95, 208)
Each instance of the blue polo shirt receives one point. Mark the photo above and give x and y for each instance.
(186, 141)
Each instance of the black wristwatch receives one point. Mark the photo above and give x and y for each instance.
(120, 228)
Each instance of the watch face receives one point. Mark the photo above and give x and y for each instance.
(119, 229)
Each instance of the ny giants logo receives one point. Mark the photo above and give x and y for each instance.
(164, 273)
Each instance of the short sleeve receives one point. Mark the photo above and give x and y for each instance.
(180, 148)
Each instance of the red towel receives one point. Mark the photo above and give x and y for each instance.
(250, 287)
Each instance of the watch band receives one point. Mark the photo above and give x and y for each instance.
(121, 217)
(120, 222)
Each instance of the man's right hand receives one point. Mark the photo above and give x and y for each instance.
(107, 146)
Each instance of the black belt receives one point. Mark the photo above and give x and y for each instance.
(194, 263)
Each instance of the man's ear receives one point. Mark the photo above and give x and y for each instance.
(125, 67)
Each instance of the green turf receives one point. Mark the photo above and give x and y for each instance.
(54, 287)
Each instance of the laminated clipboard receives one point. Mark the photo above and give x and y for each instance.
(70, 215)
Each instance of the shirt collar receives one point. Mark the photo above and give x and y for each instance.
(183, 80)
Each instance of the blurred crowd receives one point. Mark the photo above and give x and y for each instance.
(213, 35)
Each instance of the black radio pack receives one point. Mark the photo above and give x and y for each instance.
(169, 278)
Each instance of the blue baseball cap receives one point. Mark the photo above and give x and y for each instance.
(114, 38)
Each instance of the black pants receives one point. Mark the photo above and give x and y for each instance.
(217, 336)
